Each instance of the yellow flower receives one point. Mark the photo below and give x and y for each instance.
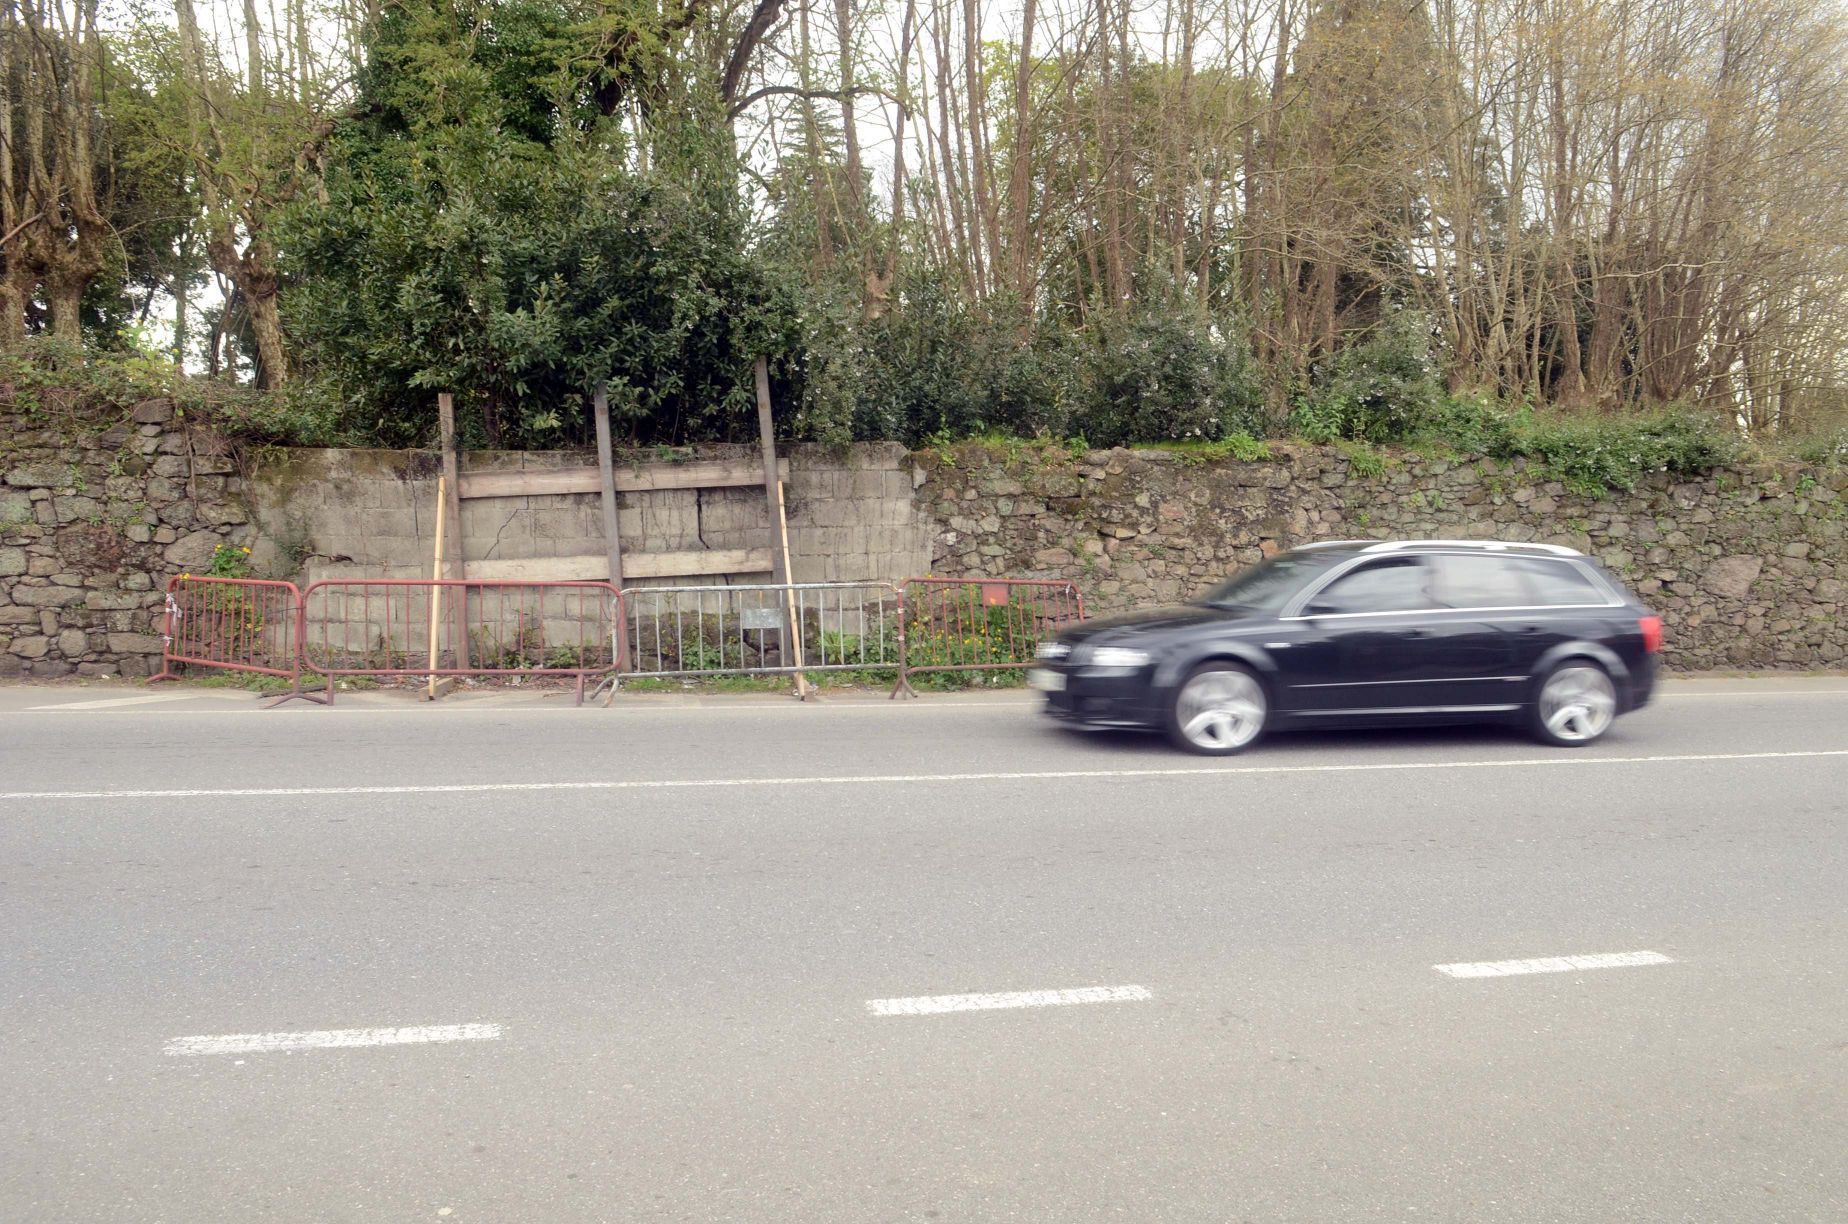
(244, 550)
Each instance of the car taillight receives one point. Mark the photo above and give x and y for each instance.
(1651, 627)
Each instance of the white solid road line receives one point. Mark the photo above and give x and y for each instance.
(1553, 964)
(932, 1005)
(111, 703)
(1562, 761)
(331, 1039)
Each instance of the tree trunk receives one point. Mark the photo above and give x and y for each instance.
(64, 296)
(15, 291)
(266, 327)
(1019, 188)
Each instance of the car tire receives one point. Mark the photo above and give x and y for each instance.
(1220, 709)
(1574, 705)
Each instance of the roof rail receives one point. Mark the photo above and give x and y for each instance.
(1557, 550)
(1330, 544)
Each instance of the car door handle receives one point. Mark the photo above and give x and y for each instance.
(1412, 635)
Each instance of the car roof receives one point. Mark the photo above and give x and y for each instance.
(1381, 547)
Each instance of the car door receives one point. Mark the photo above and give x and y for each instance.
(1568, 604)
(1486, 609)
(1365, 641)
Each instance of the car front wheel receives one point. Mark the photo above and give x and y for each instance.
(1576, 706)
(1220, 709)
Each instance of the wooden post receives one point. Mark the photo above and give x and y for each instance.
(606, 473)
(779, 527)
(454, 552)
(436, 571)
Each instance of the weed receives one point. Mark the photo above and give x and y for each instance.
(1240, 446)
(1363, 460)
(254, 682)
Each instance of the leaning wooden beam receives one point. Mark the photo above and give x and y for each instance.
(606, 485)
(779, 531)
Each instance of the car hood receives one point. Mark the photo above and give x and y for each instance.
(1146, 620)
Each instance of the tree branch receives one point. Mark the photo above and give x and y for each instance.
(790, 91)
(762, 18)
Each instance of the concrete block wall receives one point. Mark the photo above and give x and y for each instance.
(853, 516)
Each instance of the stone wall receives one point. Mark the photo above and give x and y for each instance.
(95, 515)
(1747, 566)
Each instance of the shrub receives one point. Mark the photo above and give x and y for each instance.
(1379, 390)
(1166, 375)
(1823, 448)
(1592, 454)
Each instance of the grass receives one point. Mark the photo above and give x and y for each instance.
(878, 679)
(1240, 446)
(250, 682)
(257, 682)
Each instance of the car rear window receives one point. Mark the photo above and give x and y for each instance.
(1558, 583)
(1479, 581)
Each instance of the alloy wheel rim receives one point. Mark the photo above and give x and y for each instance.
(1578, 703)
(1221, 710)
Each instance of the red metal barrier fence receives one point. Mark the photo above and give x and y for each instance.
(410, 628)
(981, 624)
(391, 627)
(235, 624)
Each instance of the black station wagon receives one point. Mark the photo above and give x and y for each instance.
(1365, 633)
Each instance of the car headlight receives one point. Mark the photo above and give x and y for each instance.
(1118, 656)
(1052, 650)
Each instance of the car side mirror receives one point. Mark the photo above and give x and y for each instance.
(1319, 609)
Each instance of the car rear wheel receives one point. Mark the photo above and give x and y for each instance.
(1576, 706)
(1220, 709)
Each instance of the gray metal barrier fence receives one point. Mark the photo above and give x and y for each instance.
(766, 629)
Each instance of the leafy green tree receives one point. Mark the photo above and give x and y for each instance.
(514, 216)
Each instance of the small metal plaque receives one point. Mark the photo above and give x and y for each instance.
(994, 595)
(762, 618)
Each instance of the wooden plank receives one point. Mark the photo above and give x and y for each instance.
(606, 486)
(655, 477)
(690, 564)
(455, 550)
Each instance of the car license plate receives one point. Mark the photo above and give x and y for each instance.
(1046, 681)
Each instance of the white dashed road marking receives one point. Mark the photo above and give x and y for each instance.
(474, 788)
(331, 1039)
(932, 1005)
(1554, 964)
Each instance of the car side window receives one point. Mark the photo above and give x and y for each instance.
(1559, 583)
(1399, 584)
(1480, 581)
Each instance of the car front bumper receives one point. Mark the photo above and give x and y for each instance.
(1087, 697)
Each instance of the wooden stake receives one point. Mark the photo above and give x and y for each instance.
(436, 571)
(606, 475)
(451, 484)
(781, 549)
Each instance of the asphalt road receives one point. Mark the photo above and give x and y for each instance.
(661, 990)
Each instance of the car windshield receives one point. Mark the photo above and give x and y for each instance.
(1266, 587)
